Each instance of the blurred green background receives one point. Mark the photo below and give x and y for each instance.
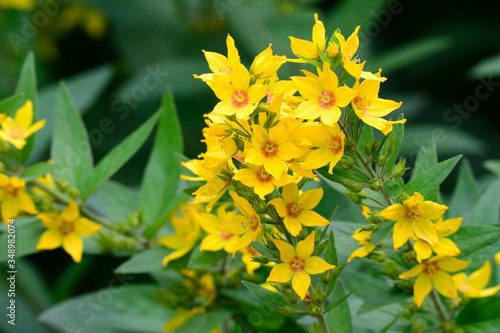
(441, 58)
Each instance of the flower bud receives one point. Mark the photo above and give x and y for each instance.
(353, 196)
(368, 227)
(316, 310)
(400, 169)
(355, 187)
(2, 167)
(302, 234)
(391, 145)
(349, 145)
(367, 149)
(318, 296)
(410, 257)
(362, 195)
(381, 160)
(74, 193)
(62, 184)
(377, 255)
(346, 163)
(287, 311)
(262, 260)
(291, 297)
(376, 184)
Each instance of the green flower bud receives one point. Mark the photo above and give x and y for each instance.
(62, 184)
(346, 163)
(376, 184)
(368, 227)
(391, 145)
(377, 255)
(367, 149)
(349, 145)
(318, 296)
(291, 297)
(316, 310)
(410, 257)
(400, 169)
(362, 195)
(287, 311)
(381, 160)
(74, 193)
(262, 260)
(303, 234)
(355, 187)
(353, 197)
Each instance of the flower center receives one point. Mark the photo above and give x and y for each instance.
(226, 70)
(412, 213)
(66, 228)
(263, 176)
(252, 223)
(17, 133)
(430, 269)
(269, 148)
(10, 191)
(225, 236)
(270, 96)
(297, 264)
(361, 103)
(326, 99)
(293, 209)
(239, 98)
(334, 144)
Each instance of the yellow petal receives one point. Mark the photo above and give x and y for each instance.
(308, 87)
(358, 253)
(280, 206)
(309, 110)
(306, 247)
(280, 273)
(310, 218)
(417, 270)
(431, 209)
(344, 96)
(24, 115)
(73, 245)
(450, 264)
(423, 250)
(293, 225)
(71, 212)
(444, 284)
(26, 203)
(317, 158)
(263, 189)
(316, 265)
(331, 116)
(422, 288)
(176, 255)
(274, 166)
(287, 252)
(225, 108)
(50, 220)
(304, 48)
(446, 247)
(288, 151)
(393, 213)
(244, 241)
(424, 229)
(247, 176)
(480, 278)
(402, 231)
(310, 199)
(414, 200)
(49, 240)
(318, 35)
(448, 227)
(10, 209)
(234, 226)
(300, 283)
(35, 127)
(240, 78)
(84, 227)
(290, 193)
(212, 242)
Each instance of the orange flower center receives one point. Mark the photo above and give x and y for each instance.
(269, 148)
(326, 99)
(239, 98)
(10, 191)
(263, 176)
(431, 268)
(293, 209)
(252, 223)
(412, 213)
(225, 236)
(361, 103)
(270, 95)
(66, 228)
(17, 133)
(297, 264)
(334, 144)
(226, 70)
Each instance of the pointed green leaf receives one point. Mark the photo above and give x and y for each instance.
(38, 170)
(161, 178)
(11, 104)
(271, 299)
(397, 134)
(119, 155)
(486, 209)
(382, 231)
(465, 193)
(426, 159)
(331, 251)
(205, 323)
(366, 138)
(338, 319)
(117, 200)
(493, 166)
(146, 261)
(470, 239)
(378, 301)
(388, 326)
(205, 259)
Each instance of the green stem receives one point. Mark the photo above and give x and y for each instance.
(439, 306)
(322, 323)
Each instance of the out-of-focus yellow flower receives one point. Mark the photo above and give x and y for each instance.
(18, 129)
(187, 233)
(17, 4)
(217, 239)
(14, 198)
(324, 97)
(66, 228)
(497, 258)
(474, 285)
(329, 141)
(444, 246)
(414, 219)
(266, 64)
(435, 273)
(298, 265)
(297, 209)
(364, 238)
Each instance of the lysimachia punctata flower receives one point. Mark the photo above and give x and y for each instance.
(266, 64)
(309, 50)
(13, 198)
(18, 4)
(475, 285)
(434, 272)
(328, 142)
(217, 239)
(413, 219)
(221, 66)
(297, 264)
(66, 229)
(444, 246)
(17, 130)
(364, 238)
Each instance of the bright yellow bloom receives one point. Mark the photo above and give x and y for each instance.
(247, 224)
(414, 219)
(218, 181)
(368, 107)
(348, 48)
(14, 198)
(217, 239)
(497, 258)
(297, 209)
(18, 4)
(434, 273)
(389, 124)
(237, 97)
(444, 246)
(474, 285)
(18, 129)
(272, 149)
(187, 233)
(221, 66)
(363, 238)
(66, 228)
(308, 49)
(298, 265)
(262, 181)
(329, 141)
(324, 97)
(266, 64)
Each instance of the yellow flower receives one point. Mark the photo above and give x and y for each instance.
(272, 149)
(389, 124)
(218, 181)
(217, 239)
(308, 49)
(237, 97)
(266, 64)
(497, 258)
(474, 285)
(262, 181)
(247, 224)
(18, 4)
(414, 219)
(329, 141)
(444, 246)
(363, 238)
(14, 198)
(348, 48)
(221, 66)
(66, 228)
(298, 265)
(297, 209)
(368, 107)
(434, 273)
(18, 129)
(187, 233)
(324, 97)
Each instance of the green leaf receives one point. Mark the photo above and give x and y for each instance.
(27, 85)
(331, 251)
(426, 159)
(28, 232)
(116, 200)
(470, 239)
(206, 322)
(38, 170)
(486, 209)
(394, 188)
(70, 145)
(343, 14)
(397, 134)
(205, 259)
(11, 104)
(161, 178)
(481, 312)
(493, 166)
(388, 326)
(262, 249)
(486, 68)
(339, 175)
(119, 155)
(428, 182)
(338, 319)
(147, 261)
(271, 299)
(110, 310)
(465, 193)
(382, 231)
(367, 138)
(378, 301)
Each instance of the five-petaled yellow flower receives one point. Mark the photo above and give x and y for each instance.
(221, 66)
(414, 219)
(324, 97)
(66, 228)
(364, 238)
(266, 64)
(18, 129)
(14, 198)
(444, 246)
(217, 239)
(435, 273)
(298, 265)
(308, 49)
(329, 141)
(297, 209)
(474, 285)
